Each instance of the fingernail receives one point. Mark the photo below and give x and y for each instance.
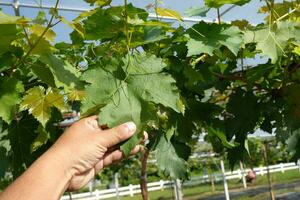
(131, 127)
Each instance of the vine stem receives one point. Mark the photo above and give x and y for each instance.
(26, 36)
(43, 33)
(155, 7)
(266, 158)
(33, 46)
(126, 25)
(219, 16)
(143, 180)
(70, 196)
(287, 14)
(270, 6)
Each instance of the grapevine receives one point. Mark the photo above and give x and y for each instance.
(176, 83)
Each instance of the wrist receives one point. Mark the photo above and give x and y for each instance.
(60, 162)
(47, 173)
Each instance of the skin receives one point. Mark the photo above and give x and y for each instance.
(80, 153)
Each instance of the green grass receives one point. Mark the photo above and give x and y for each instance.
(204, 190)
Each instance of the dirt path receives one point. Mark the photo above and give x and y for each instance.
(252, 191)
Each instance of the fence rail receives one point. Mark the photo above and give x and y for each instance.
(131, 190)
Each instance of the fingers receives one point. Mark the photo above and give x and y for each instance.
(114, 157)
(143, 141)
(118, 134)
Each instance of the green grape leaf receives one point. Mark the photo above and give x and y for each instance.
(101, 25)
(9, 97)
(272, 43)
(8, 32)
(212, 37)
(109, 23)
(243, 105)
(43, 73)
(4, 161)
(197, 11)
(294, 144)
(144, 83)
(123, 108)
(168, 159)
(157, 88)
(21, 134)
(65, 75)
(38, 102)
(102, 87)
(219, 3)
(143, 63)
(221, 135)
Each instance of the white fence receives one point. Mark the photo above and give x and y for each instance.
(161, 185)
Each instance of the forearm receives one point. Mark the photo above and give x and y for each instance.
(47, 179)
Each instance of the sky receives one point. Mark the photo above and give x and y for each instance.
(248, 11)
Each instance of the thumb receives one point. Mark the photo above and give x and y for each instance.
(116, 135)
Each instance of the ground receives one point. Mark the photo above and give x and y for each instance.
(286, 187)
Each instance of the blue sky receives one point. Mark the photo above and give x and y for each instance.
(248, 12)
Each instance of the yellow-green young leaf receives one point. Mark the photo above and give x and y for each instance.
(219, 3)
(100, 3)
(40, 140)
(169, 13)
(76, 25)
(103, 3)
(156, 23)
(8, 19)
(84, 14)
(38, 30)
(38, 102)
(76, 95)
(297, 50)
(42, 47)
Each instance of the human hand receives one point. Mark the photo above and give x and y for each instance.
(84, 149)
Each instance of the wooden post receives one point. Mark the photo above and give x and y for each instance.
(266, 158)
(227, 197)
(178, 190)
(117, 186)
(298, 164)
(161, 184)
(281, 167)
(97, 194)
(131, 190)
(243, 174)
(212, 182)
(91, 186)
(143, 179)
